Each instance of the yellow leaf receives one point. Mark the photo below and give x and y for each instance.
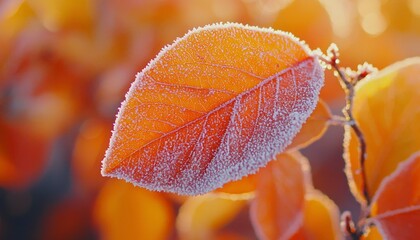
(123, 211)
(396, 205)
(56, 15)
(200, 217)
(386, 106)
(321, 219)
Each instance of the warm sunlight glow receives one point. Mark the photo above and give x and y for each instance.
(372, 20)
(341, 13)
(414, 6)
(233, 97)
(374, 23)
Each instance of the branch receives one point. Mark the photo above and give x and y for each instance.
(348, 80)
(349, 228)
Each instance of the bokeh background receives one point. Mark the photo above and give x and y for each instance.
(65, 67)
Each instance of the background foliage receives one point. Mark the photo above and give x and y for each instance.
(66, 65)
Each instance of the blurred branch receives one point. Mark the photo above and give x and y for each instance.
(348, 84)
(348, 80)
(349, 228)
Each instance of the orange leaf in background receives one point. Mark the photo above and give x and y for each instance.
(318, 33)
(200, 217)
(387, 108)
(45, 95)
(396, 205)
(211, 109)
(14, 15)
(57, 15)
(123, 211)
(75, 226)
(287, 207)
(321, 219)
(278, 208)
(48, 114)
(23, 156)
(317, 30)
(244, 187)
(231, 236)
(88, 151)
(313, 128)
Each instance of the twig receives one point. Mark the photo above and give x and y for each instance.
(348, 113)
(349, 228)
(348, 85)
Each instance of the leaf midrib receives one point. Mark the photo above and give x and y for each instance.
(222, 105)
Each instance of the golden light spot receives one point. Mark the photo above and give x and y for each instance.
(367, 7)
(226, 9)
(341, 14)
(374, 23)
(414, 6)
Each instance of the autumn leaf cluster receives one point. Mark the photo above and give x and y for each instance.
(226, 114)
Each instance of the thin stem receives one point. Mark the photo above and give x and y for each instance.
(349, 227)
(348, 87)
(348, 80)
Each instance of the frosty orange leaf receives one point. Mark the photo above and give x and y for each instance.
(396, 205)
(386, 107)
(311, 130)
(214, 106)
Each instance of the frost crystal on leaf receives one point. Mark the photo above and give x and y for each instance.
(213, 107)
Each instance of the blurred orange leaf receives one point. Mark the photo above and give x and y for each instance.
(396, 205)
(321, 219)
(387, 108)
(88, 151)
(314, 127)
(123, 211)
(200, 217)
(231, 236)
(14, 15)
(23, 156)
(244, 187)
(56, 15)
(211, 109)
(287, 207)
(278, 208)
(76, 225)
(315, 13)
